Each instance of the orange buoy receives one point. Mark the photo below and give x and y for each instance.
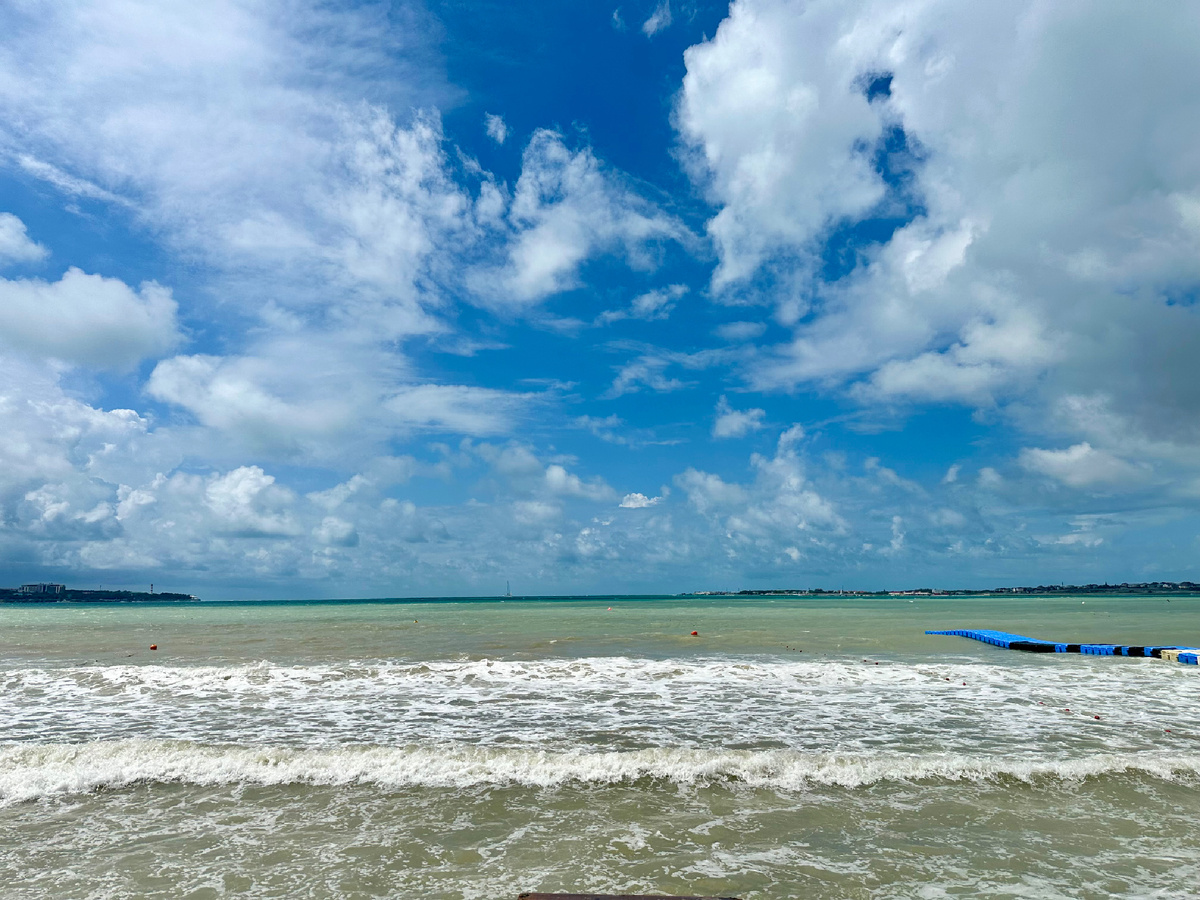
(154, 646)
(695, 634)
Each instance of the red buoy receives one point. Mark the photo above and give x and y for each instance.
(695, 634)
(154, 646)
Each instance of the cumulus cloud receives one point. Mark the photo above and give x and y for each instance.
(771, 109)
(637, 500)
(87, 319)
(336, 532)
(248, 503)
(1042, 242)
(1081, 465)
(940, 204)
(565, 483)
(733, 423)
(15, 243)
(779, 506)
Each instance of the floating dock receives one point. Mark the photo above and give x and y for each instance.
(1186, 655)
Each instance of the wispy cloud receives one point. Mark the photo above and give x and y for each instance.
(658, 20)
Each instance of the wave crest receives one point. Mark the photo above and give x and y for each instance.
(32, 771)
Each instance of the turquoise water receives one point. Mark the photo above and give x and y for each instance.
(794, 747)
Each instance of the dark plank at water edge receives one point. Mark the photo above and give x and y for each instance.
(614, 897)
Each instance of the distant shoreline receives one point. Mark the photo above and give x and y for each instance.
(1147, 588)
(1158, 588)
(14, 595)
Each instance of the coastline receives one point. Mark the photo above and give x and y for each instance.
(13, 595)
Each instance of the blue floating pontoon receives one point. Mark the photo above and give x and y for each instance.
(1008, 641)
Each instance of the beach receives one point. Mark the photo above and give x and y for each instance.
(475, 749)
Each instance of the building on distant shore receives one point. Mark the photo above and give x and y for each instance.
(43, 588)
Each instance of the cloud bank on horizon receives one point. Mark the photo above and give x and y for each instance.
(313, 299)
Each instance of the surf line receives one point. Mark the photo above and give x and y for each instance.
(1187, 655)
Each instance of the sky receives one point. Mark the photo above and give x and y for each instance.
(342, 299)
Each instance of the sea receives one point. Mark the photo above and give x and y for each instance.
(793, 747)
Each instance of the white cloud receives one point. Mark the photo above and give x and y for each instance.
(989, 478)
(15, 244)
(1047, 243)
(567, 207)
(1052, 206)
(248, 503)
(636, 500)
(646, 371)
(564, 483)
(602, 427)
(658, 20)
(733, 423)
(246, 143)
(269, 402)
(102, 492)
(708, 492)
(87, 319)
(458, 408)
(1081, 465)
(68, 184)
(650, 306)
(740, 331)
(496, 129)
(336, 532)
(771, 107)
(771, 512)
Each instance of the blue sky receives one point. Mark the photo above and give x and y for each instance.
(321, 299)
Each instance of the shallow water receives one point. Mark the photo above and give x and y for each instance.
(796, 747)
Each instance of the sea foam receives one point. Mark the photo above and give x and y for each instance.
(31, 771)
(624, 704)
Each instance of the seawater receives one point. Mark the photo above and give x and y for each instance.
(797, 747)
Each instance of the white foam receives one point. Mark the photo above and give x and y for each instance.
(619, 703)
(30, 771)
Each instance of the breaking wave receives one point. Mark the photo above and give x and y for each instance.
(32, 771)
